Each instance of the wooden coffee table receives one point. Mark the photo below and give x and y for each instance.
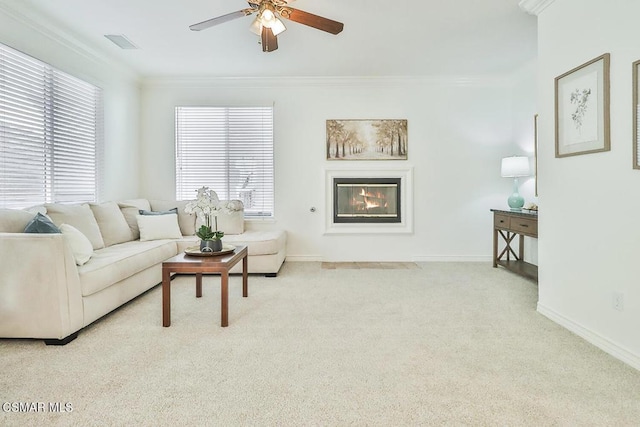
(183, 263)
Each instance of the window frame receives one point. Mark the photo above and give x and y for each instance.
(51, 133)
(240, 141)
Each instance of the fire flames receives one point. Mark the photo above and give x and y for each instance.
(369, 200)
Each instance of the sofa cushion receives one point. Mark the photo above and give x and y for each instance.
(113, 226)
(80, 246)
(115, 263)
(78, 216)
(41, 224)
(231, 223)
(36, 209)
(259, 242)
(130, 210)
(186, 221)
(156, 227)
(14, 220)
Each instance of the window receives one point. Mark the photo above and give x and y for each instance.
(230, 150)
(50, 133)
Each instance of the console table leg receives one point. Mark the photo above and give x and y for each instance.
(495, 248)
(521, 247)
(224, 297)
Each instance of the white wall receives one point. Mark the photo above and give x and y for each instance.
(120, 87)
(589, 234)
(459, 129)
(524, 110)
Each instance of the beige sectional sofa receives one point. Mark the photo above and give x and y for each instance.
(47, 289)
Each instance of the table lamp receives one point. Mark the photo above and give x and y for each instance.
(514, 167)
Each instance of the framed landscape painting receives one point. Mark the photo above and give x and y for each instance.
(367, 140)
(582, 109)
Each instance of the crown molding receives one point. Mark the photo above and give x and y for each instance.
(29, 18)
(534, 7)
(323, 81)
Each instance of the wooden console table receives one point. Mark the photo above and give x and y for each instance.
(509, 224)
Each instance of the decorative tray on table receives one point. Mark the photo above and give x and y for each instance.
(195, 251)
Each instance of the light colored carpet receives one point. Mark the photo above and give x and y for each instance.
(371, 265)
(446, 344)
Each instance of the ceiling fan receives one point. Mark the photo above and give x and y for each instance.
(268, 23)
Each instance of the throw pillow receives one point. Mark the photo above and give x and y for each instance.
(80, 246)
(186, 221)
(167, 212)
(156, 227)
(80, 217)
(130, 209)
(41, 224)
(113, 226)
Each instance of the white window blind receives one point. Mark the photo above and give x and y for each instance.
(230, 150)
(50, 133)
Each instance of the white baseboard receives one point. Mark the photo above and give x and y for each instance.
(444, 258)
(452, 258)
(304, 258)
(594, 338)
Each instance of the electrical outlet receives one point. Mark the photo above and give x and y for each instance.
(618, 301)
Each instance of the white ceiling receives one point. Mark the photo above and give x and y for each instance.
(380, 38)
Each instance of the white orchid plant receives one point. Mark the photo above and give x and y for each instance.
(205, 206)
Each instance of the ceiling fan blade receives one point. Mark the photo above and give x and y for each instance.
(221, 19)
(269, 40)
(311, 20)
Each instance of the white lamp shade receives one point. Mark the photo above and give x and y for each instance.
(515, 166)
(256, 27)
(277, 27)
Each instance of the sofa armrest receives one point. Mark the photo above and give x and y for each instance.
(40, 293)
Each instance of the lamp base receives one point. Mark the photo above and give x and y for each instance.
(516, 202)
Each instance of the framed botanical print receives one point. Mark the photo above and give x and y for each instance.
(582, 109)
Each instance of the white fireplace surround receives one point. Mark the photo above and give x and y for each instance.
(379, 171)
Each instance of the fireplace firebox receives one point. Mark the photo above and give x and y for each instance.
(366, 200)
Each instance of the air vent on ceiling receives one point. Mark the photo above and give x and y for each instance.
(121, 41)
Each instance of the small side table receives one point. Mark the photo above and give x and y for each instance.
(183, 263)
(509, 224)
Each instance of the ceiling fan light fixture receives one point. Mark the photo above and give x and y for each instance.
(256, 27)
(267, 17)
(278, 27)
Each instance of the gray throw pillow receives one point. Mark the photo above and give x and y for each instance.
(169, 212)
(41, 224)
